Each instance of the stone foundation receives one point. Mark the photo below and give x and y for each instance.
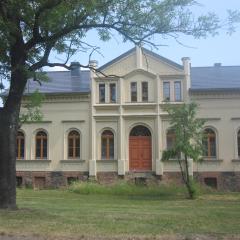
(49, 179)
(107, 177)
(223, 181)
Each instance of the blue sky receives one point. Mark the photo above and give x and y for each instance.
(204, 52)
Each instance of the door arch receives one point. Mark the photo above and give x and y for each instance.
(140, 149)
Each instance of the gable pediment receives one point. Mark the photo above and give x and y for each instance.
(140, 72)
(143, 59)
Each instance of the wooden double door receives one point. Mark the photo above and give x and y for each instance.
(140, 153)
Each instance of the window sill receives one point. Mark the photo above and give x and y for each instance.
(139, 103)
(171, 102)
(106, 104)
(236, 160)
(174, 160)
(211, 160)
(72, 161)
(107, 160)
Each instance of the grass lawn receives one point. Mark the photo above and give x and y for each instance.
(64, 213)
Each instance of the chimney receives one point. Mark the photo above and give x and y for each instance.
(75, 69)
(217, 64)
(93, 64)
(186, 65)
(187, 78)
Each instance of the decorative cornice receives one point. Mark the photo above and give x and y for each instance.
(73, 121)
(33, 161)
(212, 93)
(38, 122)
(62, 97)
(172, 76)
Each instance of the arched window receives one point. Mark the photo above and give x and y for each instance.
(107, 145)
(171, 139)
(238, 143)
(20, 145)
(140, 131)
(41, 145)
(209, 143)
(73, 144)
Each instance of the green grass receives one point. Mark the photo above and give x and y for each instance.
(65, 213)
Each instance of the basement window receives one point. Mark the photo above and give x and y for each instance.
(71, 180)
(211, 182)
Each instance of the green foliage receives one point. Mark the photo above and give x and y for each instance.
(124, 188)
(188, 140)
(60, 26)
(32, 109)
(188, 130)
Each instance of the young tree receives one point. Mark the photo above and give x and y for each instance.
(188, 140)
(31, 30)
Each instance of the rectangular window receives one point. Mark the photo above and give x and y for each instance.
(166, 91)
(144, 91)
(102, 93)
(112, 92)
(177, 91)
(133, 92)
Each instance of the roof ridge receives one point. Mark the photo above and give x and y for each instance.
(216, 66)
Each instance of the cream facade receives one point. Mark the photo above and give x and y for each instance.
(123, 127)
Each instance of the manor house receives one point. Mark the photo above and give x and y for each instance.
(113, 125)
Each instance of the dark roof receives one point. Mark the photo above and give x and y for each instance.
(215, 77)
(145, 51)
(61, 82)
(218, 78)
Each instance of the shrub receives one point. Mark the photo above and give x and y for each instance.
(128, 189)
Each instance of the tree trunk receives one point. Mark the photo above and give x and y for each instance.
(9, 122)
(8, 129)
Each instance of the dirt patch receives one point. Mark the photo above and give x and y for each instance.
(4, 236)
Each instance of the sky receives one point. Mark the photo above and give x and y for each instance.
(202, 52)
(223, 48)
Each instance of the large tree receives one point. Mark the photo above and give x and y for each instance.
(31, 29)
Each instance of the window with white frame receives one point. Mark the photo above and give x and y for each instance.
(177, 91)
(133, 91)
(73, 144)
(144, 91)
(166, 91)
(41, 145)
(209, 143)
(112, 92)
(102, 93)
(107, 145)
(20, 150)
